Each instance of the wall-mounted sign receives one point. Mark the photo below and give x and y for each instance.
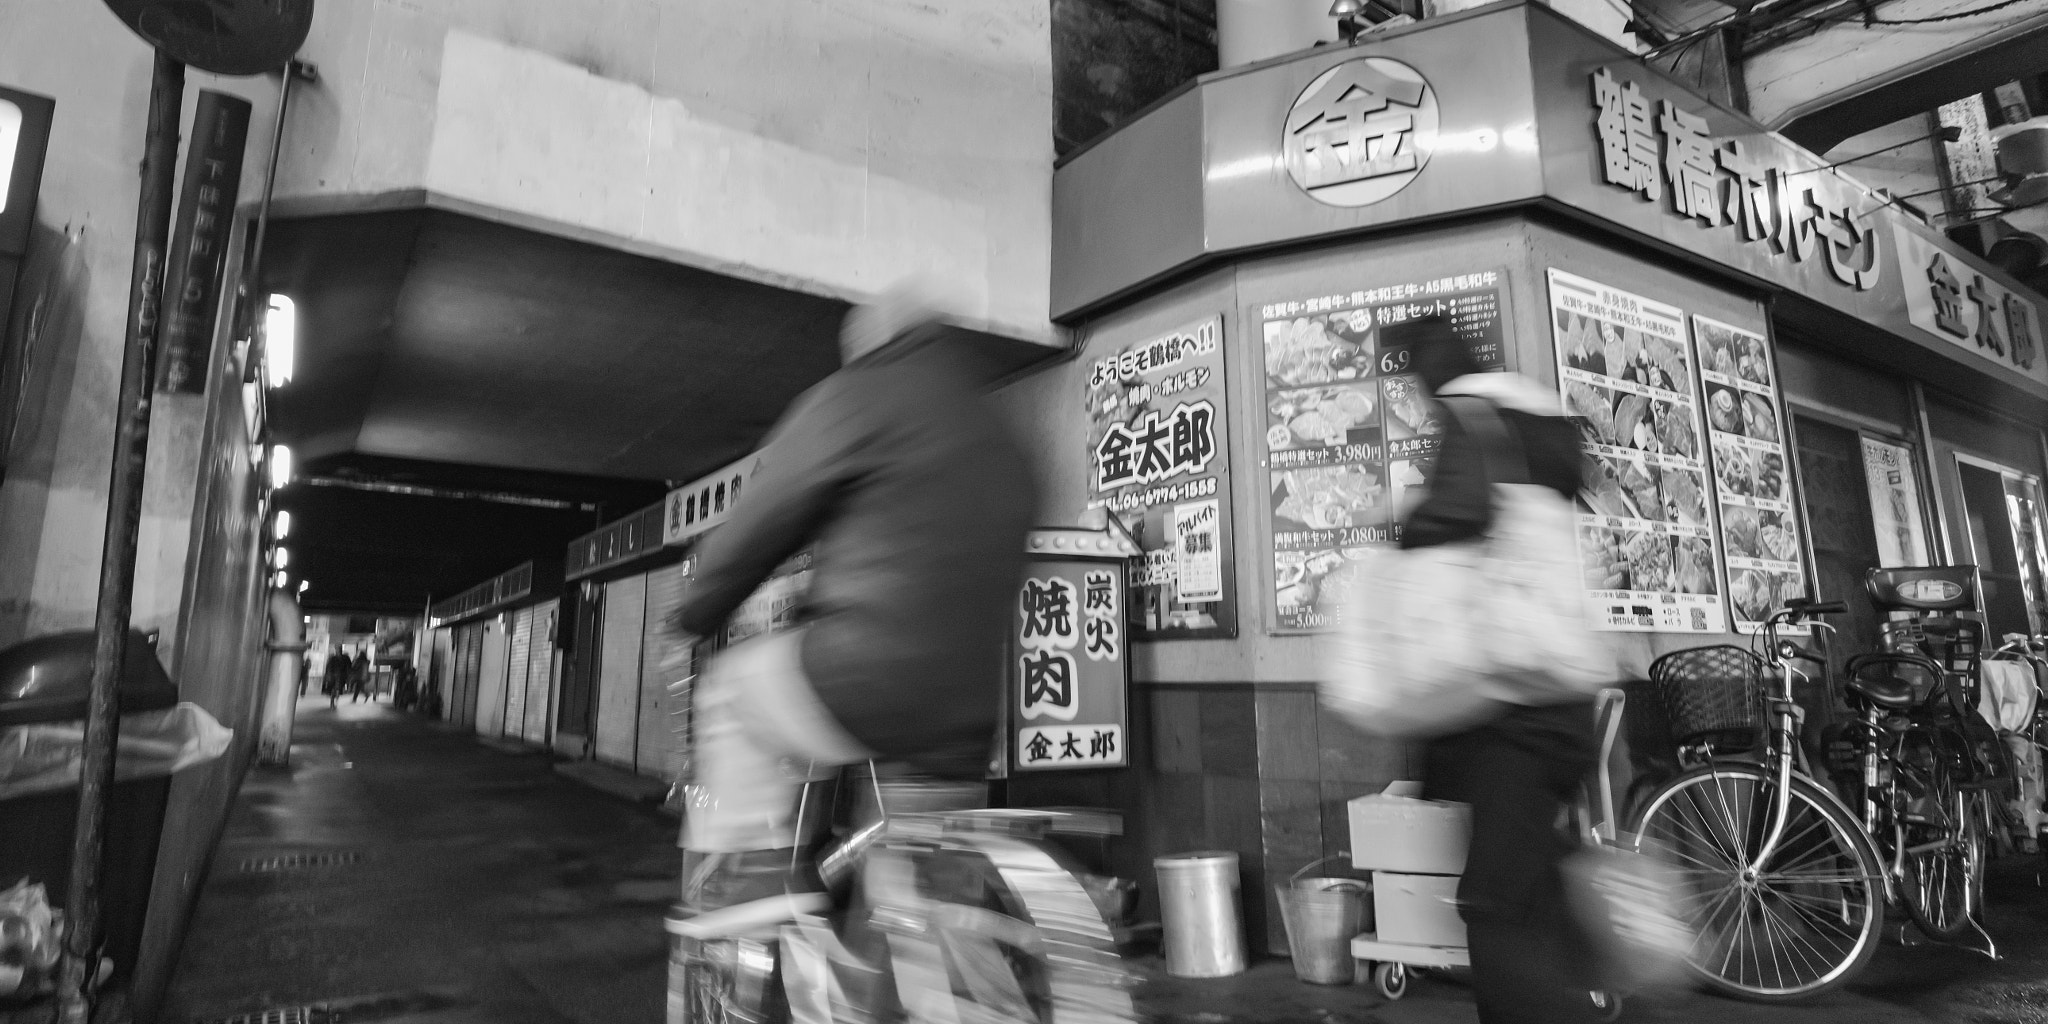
(1665, 153)
(706, 502)
(1894, 487)
(1069, 686)
(1646, 537)
(1350, 433)
(24, 140)
(1158, 444)
(1954, 301)
(1766, 564)
(1360, 132)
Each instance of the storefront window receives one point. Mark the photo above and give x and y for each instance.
(2004, 511)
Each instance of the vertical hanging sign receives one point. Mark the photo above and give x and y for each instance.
(1158, 448)
(1070, 660)
(199, 241)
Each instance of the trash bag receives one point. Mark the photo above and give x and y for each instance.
(46, 756)
(31, 934)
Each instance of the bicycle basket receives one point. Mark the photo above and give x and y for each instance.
(1711, 693)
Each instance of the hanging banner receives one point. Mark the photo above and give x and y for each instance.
(199, 242)
(1158, 444)
(1071, 683)
(1351, 435)
(1745, 430)
(1646, 538)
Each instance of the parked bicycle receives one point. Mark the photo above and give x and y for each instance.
(1784, 889)
(1928, 765)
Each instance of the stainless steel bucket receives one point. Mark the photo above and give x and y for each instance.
(1322, 916)
(1198, 906)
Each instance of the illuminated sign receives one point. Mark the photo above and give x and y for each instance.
(10, 140)
(1360, 132)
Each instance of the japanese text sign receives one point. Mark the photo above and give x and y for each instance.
(1664, 153)
(1954, 301)
(1158, 448)
(696, 507)
(1070, 677)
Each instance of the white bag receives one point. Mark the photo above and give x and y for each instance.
(1435, 639)
(1626, 902)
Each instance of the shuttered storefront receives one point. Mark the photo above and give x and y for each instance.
(618, 686)
(540, 673)
(664, 595)
(515, 673)
(490, 686)
(469, 649)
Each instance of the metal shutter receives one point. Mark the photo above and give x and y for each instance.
(469, 650)
(618, 670)
(515, 673)
(664, 595)
(540, 672)
(490, 678)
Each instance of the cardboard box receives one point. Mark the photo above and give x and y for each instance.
(1396, 831)
(1417, 910)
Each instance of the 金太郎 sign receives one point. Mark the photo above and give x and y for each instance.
(1069, 680)
(1360, 132)
(1665, 153)
(1954, 301)
(1158, 448)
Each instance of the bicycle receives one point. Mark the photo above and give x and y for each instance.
(984, 922)
(1927, 763)
(1784, 890)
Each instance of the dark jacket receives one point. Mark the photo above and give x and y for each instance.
(914, 500)
(1458, 503)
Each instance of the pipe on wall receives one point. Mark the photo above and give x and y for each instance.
(287, 647)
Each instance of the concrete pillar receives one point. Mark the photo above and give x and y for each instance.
(1248, 31)
(287, 649)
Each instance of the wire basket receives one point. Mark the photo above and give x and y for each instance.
(1713, 694)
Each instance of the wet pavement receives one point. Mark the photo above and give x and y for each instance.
(399, 871)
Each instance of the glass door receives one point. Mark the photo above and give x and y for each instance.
(2003, 509)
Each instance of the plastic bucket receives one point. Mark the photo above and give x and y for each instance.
(1322, 916)
(1198, 910)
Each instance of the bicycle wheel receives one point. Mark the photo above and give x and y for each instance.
(1804, 924)
(1944, 883)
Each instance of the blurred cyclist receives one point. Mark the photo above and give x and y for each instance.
(914, 500)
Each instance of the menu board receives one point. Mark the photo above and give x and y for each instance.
(1351, 436)
(1159, 448)
(1646, 537)
(1759, 527)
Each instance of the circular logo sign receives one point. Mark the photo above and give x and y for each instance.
(1360, 132)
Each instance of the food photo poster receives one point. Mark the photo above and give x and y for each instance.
(1766, 564)
(1351, 434)
(1646, 535)
(1158, 446)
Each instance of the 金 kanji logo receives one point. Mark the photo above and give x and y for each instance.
(1361, 131)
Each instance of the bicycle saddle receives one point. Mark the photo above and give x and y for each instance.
(1876, 678)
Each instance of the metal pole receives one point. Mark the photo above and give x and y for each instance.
(117, 553)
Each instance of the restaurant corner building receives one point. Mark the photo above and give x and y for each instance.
(1784, 380)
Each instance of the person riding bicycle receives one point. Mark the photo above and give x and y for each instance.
(914, 500)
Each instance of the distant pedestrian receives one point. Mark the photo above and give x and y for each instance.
(334, 677)
(359, 677)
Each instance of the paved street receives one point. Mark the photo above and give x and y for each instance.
(402, 872)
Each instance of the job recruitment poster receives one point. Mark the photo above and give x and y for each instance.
(1158, 448)
(1350, 433)
(1646, 537)
(1759, 528)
